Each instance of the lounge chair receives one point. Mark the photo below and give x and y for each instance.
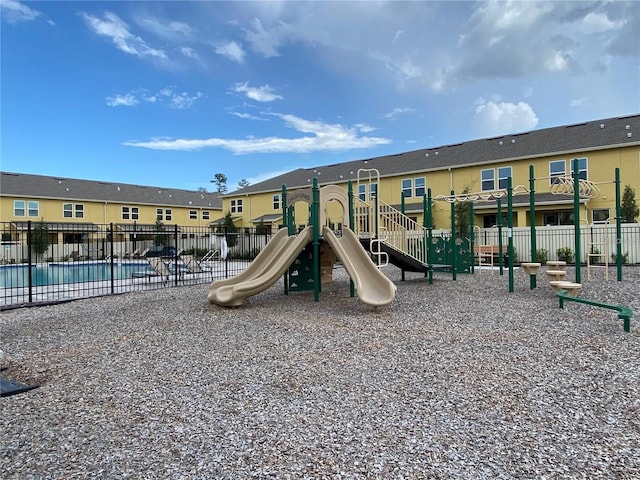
(160, 269)
(139, 254)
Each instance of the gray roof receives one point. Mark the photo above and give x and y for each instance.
(40, 186)
(576, 138)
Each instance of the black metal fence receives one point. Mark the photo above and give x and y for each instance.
(44, 262)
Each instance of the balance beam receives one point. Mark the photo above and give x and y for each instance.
(624, 313)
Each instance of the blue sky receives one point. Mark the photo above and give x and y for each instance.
(170, 93)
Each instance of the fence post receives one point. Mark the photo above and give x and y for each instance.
(29, 272)
(176, 273)
(111, 257)
(532, 223)
(576, 217)
(618, 227)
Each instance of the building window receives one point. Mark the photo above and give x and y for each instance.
(374, 190)
(582, 168)
(563, 217)
(276, 202)
(236, 206)
(600, 215)
(503, 175)
(68, 210)
(556, 169)
(71, 238)
(193, 214)
(130, 213)
(18, 208)
(34, 208)
(362, 193)
(488, 178)
(163, 214)
(205, 214)
(420, 184)
(407, 187)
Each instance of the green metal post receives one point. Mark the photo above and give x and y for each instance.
(576, 217)
(352, 287)
(285, 224)
(472, 235)
(284, 205)
(430, 236)
(500, 258)
(618, 227)
(532, 222)
(425, 253)
(315, 222)
(453, 236)
(510, 231)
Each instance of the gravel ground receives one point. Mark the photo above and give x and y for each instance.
(452, 380)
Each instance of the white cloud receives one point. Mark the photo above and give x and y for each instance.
(364, 128)
(126, 100)
(266, 42)
(231, 50)
(14, 11)
(246, 116)
(398, 111)
(117, 30)
(259, 94)
(171, 30)
(189, 52)
(323, 137)
(167, 96)
(492, 118)
(595, 22)
(184, 101)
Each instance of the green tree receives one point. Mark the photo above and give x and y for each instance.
(243, 183)
(230, 230)
(462, 216)
(40, 239)
(161, 237)
(628, 208)
(220, 179)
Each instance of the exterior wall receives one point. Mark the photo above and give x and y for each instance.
(51, 210)
(601, 166)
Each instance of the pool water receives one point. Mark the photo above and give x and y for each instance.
(17, 276)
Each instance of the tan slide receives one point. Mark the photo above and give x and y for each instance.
(264, 271)
(372, 286)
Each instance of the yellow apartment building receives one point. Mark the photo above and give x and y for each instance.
(72, 207)
(476, 166)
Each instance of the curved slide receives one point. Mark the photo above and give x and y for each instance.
(372, 286)
(264, 271)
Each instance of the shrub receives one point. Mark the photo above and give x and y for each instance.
(565, 254)
(625, 257)
(542, 255)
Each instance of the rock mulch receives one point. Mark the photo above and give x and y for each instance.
(452, 380)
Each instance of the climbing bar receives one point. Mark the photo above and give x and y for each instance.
(624, 313)
(485, 196)
(564, 186)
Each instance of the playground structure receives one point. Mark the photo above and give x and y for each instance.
(297, 255)
(385, 234)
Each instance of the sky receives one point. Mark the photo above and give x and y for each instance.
(170, 93)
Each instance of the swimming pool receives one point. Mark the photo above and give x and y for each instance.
(17, 276)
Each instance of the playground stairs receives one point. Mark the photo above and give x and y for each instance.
(399, 240)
